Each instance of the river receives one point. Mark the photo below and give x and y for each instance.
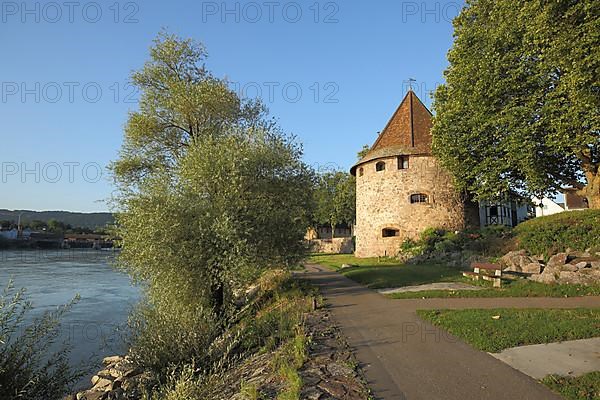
(95, 324)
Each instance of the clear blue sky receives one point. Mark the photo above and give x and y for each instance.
(57, 132)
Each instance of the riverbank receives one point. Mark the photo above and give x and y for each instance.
(286, 347)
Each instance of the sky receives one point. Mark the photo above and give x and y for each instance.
(331, 72)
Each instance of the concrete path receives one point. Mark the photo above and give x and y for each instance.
(431, 286)
(405, 357)
(570, 358)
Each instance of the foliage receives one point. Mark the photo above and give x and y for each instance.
(180, 101)
(363, 152)
(515, 327)
(519, 110)
(29, 367)
(210, 196)
(585, 387)
(577, 230)
(492, 240)
(273, 322)
(335, 199)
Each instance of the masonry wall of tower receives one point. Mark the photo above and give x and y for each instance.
(383, 202)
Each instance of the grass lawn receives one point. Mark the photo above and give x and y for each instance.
(585, 387)
(515, 327)
(387, 273)
(378, 273)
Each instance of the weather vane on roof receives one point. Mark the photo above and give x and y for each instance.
(410, 81)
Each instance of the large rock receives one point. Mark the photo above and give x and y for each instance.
(581, 265)
(558, 259)
(543, 278)
(569, 268)
(570, 277)
(513, 260)
(532, 268)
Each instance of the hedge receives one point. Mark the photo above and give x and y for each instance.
(577, 230)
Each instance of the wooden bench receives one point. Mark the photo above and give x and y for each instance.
(487, 272)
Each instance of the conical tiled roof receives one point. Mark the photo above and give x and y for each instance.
(407, 132)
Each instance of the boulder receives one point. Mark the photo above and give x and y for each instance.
(513, 260)
(532, 268)
(558, 259)
(543, 278)
(568, 268)
(595, 264)
(112, 360)
(551, 270)
(570, 277)
(102, 384)
(581, 265)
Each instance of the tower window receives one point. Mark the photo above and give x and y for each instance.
(380, 166)
(419, 198)
(361, 171)
(390, 232)
(403, 162)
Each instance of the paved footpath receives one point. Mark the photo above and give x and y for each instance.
(405, 357)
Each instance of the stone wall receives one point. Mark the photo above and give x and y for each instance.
(383, 201)
(332, 246)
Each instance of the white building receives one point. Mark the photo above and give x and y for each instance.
(572, 201)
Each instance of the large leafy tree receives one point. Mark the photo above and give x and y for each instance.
(520, 110)
(210, 194)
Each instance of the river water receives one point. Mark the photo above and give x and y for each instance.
(96, 323)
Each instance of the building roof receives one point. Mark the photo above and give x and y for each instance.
(573, 201)
(408, 132)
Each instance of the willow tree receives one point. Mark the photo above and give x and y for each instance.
(520, 110)
(210, 194)
(180, 101)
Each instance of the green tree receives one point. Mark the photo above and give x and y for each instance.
(363, 152)
(335, 199)
(201, 218)
(520, 109)
(180, 102)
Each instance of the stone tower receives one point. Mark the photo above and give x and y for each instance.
(401, 189)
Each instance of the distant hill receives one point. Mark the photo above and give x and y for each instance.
(75, 219)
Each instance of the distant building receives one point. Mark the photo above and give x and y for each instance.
(572, 202)
(508, 213)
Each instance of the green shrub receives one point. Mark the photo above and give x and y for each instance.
(272, 322)
(578, 230)
(29, 367)
(161, 338)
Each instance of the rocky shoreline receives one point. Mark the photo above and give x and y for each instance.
(330, 372)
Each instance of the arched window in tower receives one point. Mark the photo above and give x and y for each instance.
(390, 232)
(361, 171)
(419, 198)
(380, 166)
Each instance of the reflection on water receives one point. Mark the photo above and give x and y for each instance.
(54, 277)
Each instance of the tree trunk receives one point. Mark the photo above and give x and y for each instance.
(332, 231)
(592, 190)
